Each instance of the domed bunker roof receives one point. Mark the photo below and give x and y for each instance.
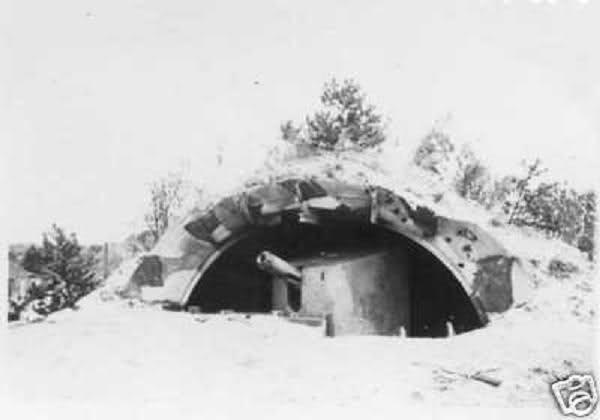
(364, 255)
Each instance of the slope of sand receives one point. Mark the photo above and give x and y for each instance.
(135, 359)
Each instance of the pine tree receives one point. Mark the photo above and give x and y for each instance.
(345, 121)
(67, 269)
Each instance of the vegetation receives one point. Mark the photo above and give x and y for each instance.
(472, 178)
(66, 273)
(166, 196)
(140, 242)
(516, 208)
(560, 212)
(345, 121)
(550, 207)
(435, 152)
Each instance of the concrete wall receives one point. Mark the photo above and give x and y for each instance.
(365, 294)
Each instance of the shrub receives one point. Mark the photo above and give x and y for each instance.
(515, 205)
(560, 212)
(472, 180)
(435, 152)
(462, 169)
(550, 207)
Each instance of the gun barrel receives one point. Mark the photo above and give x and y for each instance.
(271, 263)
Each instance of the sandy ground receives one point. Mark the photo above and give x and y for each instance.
(135, 360)
(118, 359)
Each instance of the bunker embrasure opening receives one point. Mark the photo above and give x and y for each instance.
(366, 279)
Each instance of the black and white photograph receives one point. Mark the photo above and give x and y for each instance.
(273, 209)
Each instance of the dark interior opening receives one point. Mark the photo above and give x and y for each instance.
(437, 298)
(234, 282)
(294, 298)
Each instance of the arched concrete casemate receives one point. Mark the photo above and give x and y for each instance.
(364, 256)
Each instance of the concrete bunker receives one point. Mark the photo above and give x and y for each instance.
(369, 260)
(367, 279)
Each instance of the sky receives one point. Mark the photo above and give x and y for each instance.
(99, 98)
